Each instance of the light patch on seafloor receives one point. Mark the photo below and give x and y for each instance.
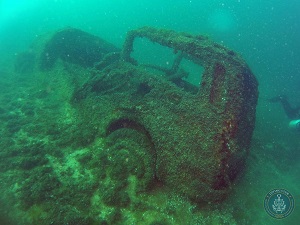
(70, 168)
(221, 20)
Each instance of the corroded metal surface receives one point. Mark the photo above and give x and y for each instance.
(199, 141)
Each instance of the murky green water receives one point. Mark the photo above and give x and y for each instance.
(56, 167)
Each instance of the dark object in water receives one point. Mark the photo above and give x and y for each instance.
(291, 112)
(75, 46)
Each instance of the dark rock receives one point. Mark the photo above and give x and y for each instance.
(75, 46)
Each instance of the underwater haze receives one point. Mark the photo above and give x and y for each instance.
(259, 30)
(58, 166)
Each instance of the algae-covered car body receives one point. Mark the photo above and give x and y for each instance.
(200, 139)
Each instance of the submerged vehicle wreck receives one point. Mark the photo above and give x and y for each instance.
(199, 142)
(158, 130)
